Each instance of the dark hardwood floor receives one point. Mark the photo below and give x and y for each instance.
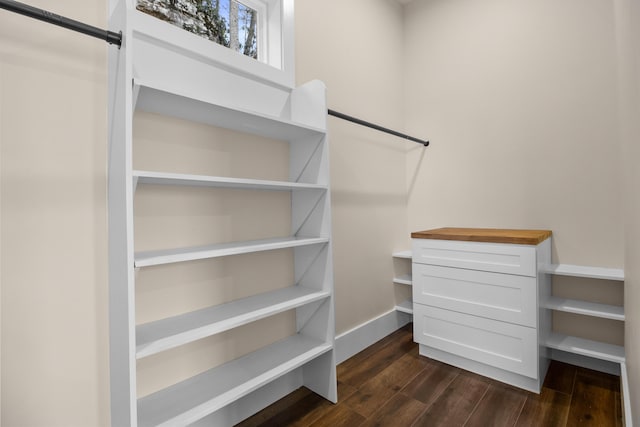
(389, 384)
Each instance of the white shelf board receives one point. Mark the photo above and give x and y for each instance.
(598, 350)
(405, 306)
(168, 333)
(405, 279)
(162, 178)
(586, 308)
(403, 254)
(156, 99)
(193, 399)
(584, 271)
(150, 258)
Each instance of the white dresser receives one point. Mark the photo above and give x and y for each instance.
(476, 301)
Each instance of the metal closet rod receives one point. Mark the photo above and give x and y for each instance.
(116, 39)
(377, 127)
(46, 16)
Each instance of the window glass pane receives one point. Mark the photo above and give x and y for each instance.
(226, 22)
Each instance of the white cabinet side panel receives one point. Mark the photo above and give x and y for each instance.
(120, 202)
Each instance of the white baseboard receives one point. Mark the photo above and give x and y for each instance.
(355, 340)
(586, 362)
(626, 400)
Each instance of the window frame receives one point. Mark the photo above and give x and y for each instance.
(275, 63)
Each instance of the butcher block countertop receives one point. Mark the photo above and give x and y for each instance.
(491, 235)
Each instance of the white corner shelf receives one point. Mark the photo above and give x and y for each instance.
(586, 308)
(584, 347)
(151, 258)
(584, 271)
(405, 306)
(171, 332)
(193, 399)
(154, 98)
(576, 345)
(405, 279)
(402, 254)
(164, 178)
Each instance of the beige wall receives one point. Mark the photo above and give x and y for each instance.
(628, 37)
(519, 101)
(355, 47)
(54, 235)
(53, 127)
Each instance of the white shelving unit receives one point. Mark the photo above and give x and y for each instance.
(584, 347)
(586, 308)
(159, 178)
(152, 72)
(402, 254)
(405, 306)
(191, 400)
(585, 271)
(161, 335)
(581, 346)
(151, 258)
(403, 279)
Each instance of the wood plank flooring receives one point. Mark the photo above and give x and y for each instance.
(389, 384)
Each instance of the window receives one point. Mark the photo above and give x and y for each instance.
(260, 32)
(230, 23)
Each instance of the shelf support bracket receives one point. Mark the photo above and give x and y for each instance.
(134, 182)
(313, 208)
(306, 165)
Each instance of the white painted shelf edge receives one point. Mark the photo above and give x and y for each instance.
(155, 98)
(151, 258)
(162, 178)
(586, 308)
(172, 332)
(584, 271)
(405, 306)
(402, 254)
(598, 350)
(199, 396)
(405, 279)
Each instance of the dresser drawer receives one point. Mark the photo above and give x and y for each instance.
(506, 346)
(495, 296)
(494, 257)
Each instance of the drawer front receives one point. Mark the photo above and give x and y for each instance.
(495, 257)
(506, 346)
(495, 296)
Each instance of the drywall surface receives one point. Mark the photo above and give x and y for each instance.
(628, 50)
(519, 100)
(53, 137)
(355, 47)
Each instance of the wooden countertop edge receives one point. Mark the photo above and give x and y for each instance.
(487, 235)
